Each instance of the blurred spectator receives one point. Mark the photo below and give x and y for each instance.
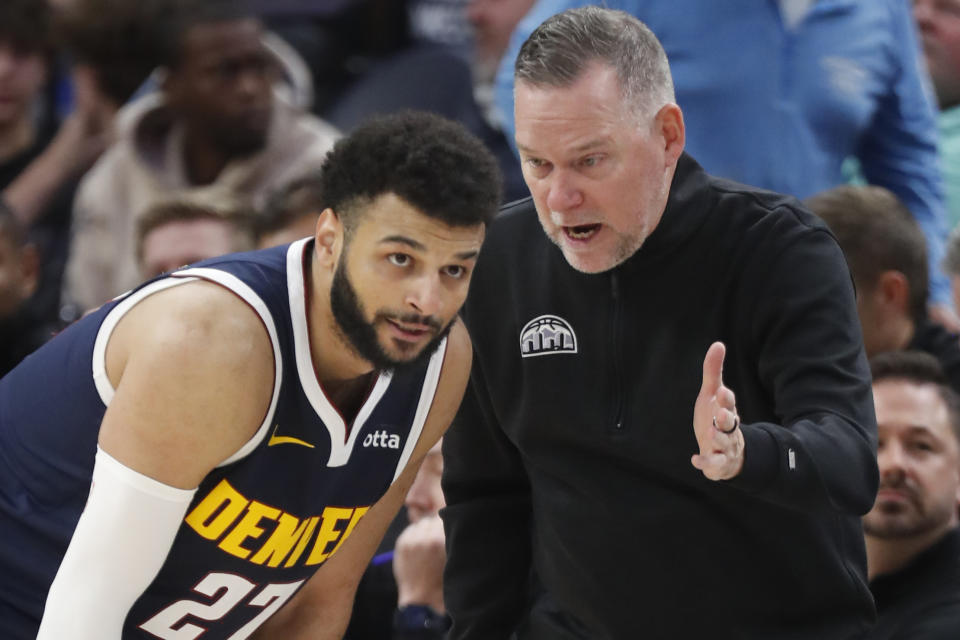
(939, 25)
(215, 130)
(24, 50)
(951, 265)
(407, 603)
(177, 233)
(887, 255)
(118, 42)
(20, 331)
(493, 21)
(338, 39)
(913, 544)
(442, 34)
(291, 213)
(779, 94)
(111, 45)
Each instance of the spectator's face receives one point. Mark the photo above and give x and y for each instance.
(919, 462)
(22, 76)
(425, 497)
(599, 174)
(400, 281)
(222, 87)
(493, 21)
(175, 244)
(939, 25)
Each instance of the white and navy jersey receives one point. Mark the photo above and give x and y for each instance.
(261, 523)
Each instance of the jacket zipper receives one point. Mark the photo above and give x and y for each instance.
(616, 352)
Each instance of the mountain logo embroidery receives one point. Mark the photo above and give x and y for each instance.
(275, 439)
(546, 335)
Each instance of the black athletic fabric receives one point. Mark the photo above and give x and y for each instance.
(922, 600)
(571, 451)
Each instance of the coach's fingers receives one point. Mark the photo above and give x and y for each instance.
(713, 369)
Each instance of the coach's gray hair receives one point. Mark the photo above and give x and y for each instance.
(559, 50)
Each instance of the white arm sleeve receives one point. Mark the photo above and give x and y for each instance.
(117, 549)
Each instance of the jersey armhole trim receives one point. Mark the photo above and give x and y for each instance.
(100, 379)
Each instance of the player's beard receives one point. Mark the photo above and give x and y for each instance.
(361, 335)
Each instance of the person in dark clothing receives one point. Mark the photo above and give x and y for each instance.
(98, 52)
(26, 133)
(887, 254)
(912, 535)
(597, 448)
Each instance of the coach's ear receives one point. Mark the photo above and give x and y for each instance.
(328, 238)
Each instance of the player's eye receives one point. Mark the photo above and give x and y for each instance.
(399, 259)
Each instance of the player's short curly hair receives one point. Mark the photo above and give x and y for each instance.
(433, 164)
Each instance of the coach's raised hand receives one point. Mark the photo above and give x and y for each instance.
(716, 423)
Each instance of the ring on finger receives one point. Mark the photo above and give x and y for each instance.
(736, 424)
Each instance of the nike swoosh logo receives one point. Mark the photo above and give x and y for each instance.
(275, 439)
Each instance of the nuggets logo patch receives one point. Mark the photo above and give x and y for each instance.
(546, 335)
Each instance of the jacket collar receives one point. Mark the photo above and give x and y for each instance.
(688, 205)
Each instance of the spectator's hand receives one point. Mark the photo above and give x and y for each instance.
(418, 560)
(945, 316)
(82, 137)
(715, 414)
(86, 132)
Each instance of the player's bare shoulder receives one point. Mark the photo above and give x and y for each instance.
(194, 324)
(193, 367)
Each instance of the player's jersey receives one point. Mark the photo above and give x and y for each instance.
(260, 524)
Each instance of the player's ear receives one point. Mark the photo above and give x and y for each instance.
(329, 237)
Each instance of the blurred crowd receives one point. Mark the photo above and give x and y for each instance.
(139, 136)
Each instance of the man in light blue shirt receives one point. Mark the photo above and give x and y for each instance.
(778, 93)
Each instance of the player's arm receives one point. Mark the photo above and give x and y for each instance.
(322, 608)
(192, 369)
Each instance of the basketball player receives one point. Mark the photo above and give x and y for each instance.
(247, 427)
